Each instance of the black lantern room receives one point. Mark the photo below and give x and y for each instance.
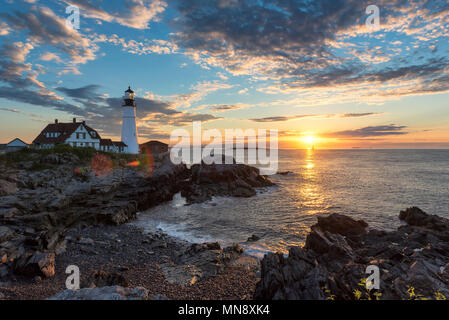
(130, 99)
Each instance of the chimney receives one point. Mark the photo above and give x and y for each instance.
(74, 120)
(56, 120)
(84, 122)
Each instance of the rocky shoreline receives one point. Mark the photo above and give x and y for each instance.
(413, 261)
(125, 256)
(39, 209)
(72, 214)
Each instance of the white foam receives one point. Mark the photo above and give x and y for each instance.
(178, 201)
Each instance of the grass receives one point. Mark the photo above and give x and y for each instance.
(85, 155)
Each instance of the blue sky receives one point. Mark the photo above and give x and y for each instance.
(306, 68)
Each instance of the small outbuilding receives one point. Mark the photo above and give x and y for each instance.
(13, 145)
(155, 147)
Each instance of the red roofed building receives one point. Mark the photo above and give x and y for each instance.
(76, 134)
(155, 147)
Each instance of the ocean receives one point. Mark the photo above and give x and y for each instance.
(373, 185)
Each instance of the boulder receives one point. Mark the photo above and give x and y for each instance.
(7, 188)
(6, 234)
(343, 225)
(235, 180)
(200, 261)
(104, 293)
(8, 213)
(416, 217)
(39, 264)
(338, 250)
(104, 279)
(50, 202)
(253, 238)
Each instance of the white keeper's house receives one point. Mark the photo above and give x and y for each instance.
(79, 134)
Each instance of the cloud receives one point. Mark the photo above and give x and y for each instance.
(374, 131)
(50, 56)
(88, 92)
(19, 79)
(319, 44)
(105, 112)
(10, 110)
(199, 91)
(182, 119)
(323, 116)
(135, 14)
(137, 47)
(283, 118)
(4, 29)
(359, 115)
(39, 99)
(44, 27)
(226, 107)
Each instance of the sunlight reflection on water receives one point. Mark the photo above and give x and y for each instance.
(373, 185)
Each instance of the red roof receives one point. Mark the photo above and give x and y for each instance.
(106, 142)
(119, 144)
(153, 143)
(109, 142)
(65, 130)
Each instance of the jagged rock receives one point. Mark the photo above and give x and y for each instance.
(4, 271)
(285, 173)
(60, 158)
(6, 234)
(343, 225)
(8, 213)
(50, 202)
(39, 264)
(339, 249)
(235, 180)
(104, 279)
(104, 293)
(416, 217)
(7, 188)
(200, 261)
(253, 238)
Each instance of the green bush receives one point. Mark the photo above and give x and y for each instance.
(24, 154)
(63, 148)
(37, 166)
(84, 154)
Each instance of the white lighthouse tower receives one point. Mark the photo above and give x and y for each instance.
(129, 129)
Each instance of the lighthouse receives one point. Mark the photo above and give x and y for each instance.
(129, 129)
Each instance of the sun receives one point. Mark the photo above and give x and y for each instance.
(309, 139)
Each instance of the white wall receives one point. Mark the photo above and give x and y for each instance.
(80, 142)
(129, 130)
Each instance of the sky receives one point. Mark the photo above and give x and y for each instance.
(313, 70)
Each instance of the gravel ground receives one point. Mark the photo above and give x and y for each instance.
(128, 251)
